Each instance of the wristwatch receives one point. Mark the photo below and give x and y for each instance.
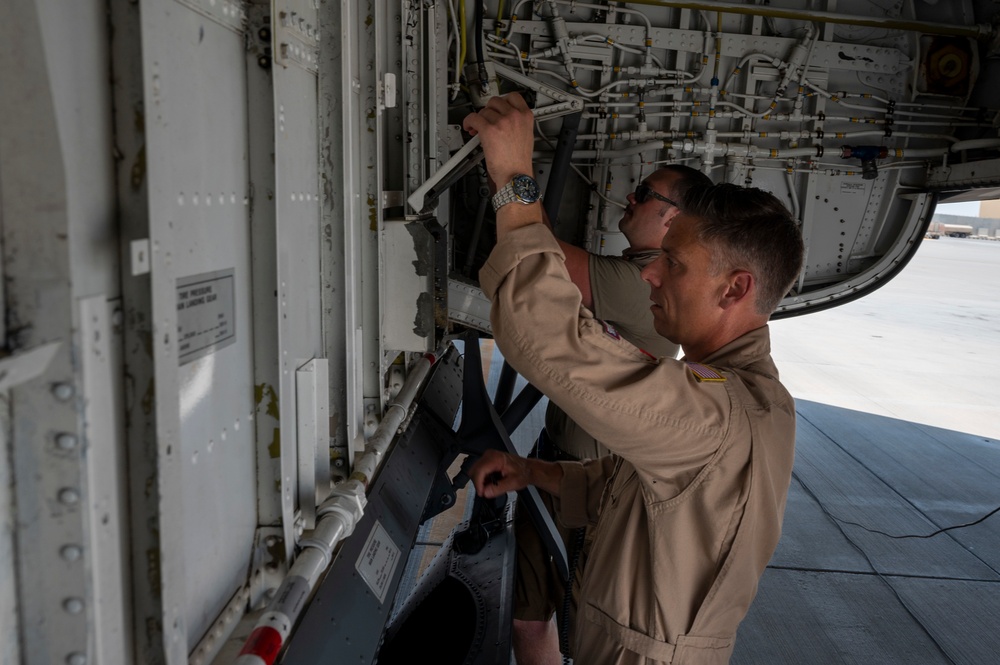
(522, 189)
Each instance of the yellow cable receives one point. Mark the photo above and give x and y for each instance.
(461, 27)
(499, 15)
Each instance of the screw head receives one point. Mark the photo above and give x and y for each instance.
(63, 391)
(66, 441)
(73, 605)
(71, 552)
(69, 496)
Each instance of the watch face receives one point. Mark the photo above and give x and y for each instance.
(525, 188)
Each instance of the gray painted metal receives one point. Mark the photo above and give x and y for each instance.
(194, 91)
(143, 492)
(336, 205)
(59, 246)
(264, 259)
(370, 32)
(408, 254)
(462, 606)
(345, 619)
(10, 651)
(296, 195)
(295, 163)
(106, 509)
(468, 305)
(346, 284)
(313, 425)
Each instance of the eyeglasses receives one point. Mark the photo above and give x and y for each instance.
(644, 191)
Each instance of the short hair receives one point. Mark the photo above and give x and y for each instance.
(749, 229)
(687, 178)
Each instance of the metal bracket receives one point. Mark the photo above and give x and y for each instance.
(267, 564)
(468, 305)
(482, 428)
(312, 404)
(26, 365)
(425, 197)
(297, 40)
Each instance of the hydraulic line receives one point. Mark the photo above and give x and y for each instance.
(336, 519)
(560, 165)
(792, 195)
(459, 47)
(978, 31)
(480, 51)
(477, 228)
(463, 31)
(557, 26)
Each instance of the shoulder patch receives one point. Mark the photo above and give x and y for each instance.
(610, 330)
(705, 372)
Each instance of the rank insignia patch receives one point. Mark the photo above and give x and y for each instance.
(610, 331)
(705, 373)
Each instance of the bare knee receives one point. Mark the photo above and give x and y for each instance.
(536, 643)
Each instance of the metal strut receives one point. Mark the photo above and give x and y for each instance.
(481, 429)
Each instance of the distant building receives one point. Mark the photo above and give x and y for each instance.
(990, 209)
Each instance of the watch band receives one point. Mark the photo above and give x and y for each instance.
(521, 189)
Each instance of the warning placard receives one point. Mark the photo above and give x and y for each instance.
(853, 187)
(378, 561)
(206, 313)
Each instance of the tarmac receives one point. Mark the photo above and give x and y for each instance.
(890, 552)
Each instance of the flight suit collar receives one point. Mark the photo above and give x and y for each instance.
(746, 351)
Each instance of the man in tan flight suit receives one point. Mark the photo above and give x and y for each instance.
(612, 288)
(688, 507)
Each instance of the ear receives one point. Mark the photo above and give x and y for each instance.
(739, 289)
(670, 211)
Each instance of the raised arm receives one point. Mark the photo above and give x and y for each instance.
(506, 131)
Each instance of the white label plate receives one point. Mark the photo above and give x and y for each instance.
(206, 314)
(378, 561)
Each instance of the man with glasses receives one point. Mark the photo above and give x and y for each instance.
(687, 509)
(612, 288)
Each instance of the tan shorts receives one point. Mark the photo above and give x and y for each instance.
(538, 587)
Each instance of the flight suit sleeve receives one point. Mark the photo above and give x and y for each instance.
(617, 289)
(654, 413)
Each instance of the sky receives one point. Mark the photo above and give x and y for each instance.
(968, 209)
